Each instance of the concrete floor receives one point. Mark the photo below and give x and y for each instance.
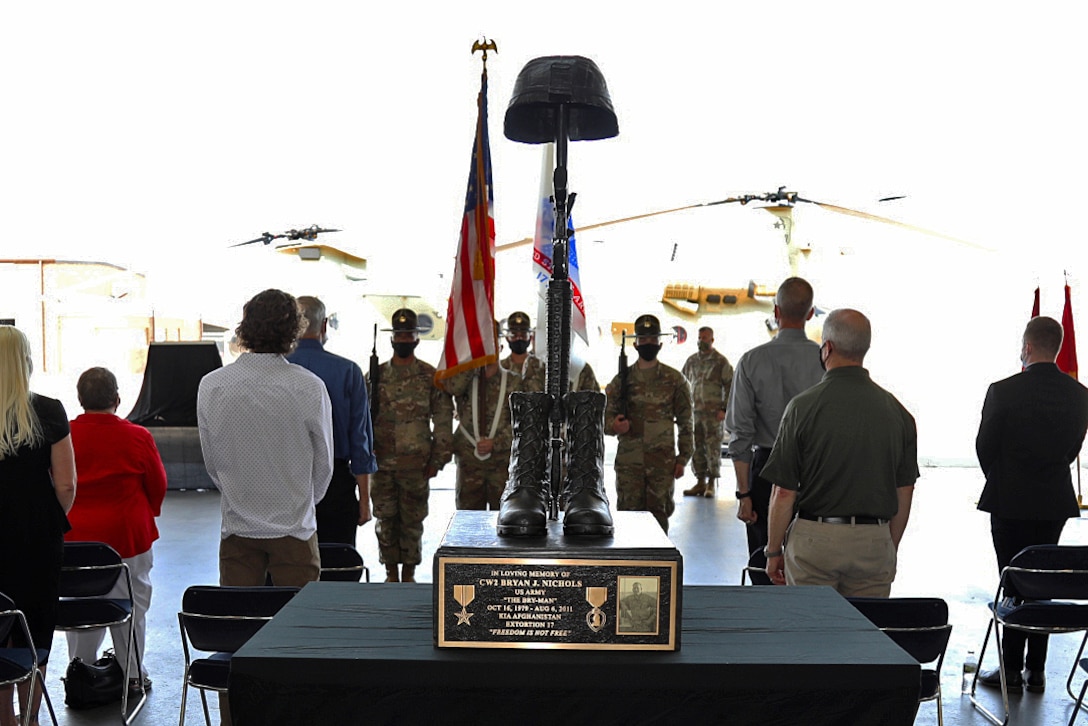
(946, 552)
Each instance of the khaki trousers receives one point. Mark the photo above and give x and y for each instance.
(245, 561)
(858, 560)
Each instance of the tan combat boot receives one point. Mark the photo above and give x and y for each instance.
(391, 573)
(711, 485)
(408, 573)
(698, 490)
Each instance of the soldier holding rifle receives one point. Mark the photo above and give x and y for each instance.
(413, 441)
(645, 401)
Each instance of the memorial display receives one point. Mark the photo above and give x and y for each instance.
(556, 591)
(519, 578)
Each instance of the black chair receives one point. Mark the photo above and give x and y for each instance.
(342, 563)
(756, 570)
(1083, 662)
(88, 573)
(219, 621)
(918, 625)
(1043, 590)
(20, 664)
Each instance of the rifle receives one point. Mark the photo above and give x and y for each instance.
(375, 377)
(623, 375)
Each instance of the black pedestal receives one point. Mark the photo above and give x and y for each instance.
(586, 593)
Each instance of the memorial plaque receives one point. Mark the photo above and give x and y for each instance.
(586, 593)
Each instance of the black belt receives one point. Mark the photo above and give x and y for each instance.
(841, 520)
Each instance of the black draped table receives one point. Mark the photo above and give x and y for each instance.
(344, 653)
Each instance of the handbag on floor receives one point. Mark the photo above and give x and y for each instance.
(87, 685)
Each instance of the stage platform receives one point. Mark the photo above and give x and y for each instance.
(343, 652)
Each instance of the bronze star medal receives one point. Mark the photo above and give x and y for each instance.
(464, 595)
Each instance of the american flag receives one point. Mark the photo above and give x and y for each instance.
(470, 327)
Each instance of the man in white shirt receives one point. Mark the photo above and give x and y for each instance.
(266, 433)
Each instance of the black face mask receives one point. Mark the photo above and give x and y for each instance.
(820, 354)
(404, 350)
(648, 351)
(518, 346)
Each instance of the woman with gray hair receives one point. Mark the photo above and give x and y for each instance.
(121, 488)
(37, 487)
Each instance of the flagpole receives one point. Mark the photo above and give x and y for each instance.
(470, 313)
(1080, 497)
(482, 213)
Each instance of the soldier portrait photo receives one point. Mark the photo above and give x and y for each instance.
(638, 605)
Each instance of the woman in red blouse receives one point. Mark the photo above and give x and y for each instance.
(121, 485)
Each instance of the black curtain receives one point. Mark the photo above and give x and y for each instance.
(173, 372)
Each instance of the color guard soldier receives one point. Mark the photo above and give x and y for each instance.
(519, 337)
(413, 441)
(656, 398)
(483, 437)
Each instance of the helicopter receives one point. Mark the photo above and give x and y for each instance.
(342, 275)
(687, 298)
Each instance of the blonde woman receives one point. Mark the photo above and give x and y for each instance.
(37, 488)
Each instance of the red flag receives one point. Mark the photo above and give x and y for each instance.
(1035, 305)
(1067, 356)
(470, 327)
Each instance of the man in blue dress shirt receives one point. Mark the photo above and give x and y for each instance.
(346, 505)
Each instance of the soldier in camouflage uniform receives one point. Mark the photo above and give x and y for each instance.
(519, 336)
(710, 375)
(484, 435)
(657, 399)
(532, 370)
(410, 453)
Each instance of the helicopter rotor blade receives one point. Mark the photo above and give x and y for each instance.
(894, 222)
(310, 233)
(780, 198)
(264, 238)
(597, 225)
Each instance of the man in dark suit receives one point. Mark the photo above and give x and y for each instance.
(1033, 425)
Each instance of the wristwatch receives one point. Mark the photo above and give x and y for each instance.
(744, 495)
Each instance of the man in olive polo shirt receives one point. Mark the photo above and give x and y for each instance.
(845, 461)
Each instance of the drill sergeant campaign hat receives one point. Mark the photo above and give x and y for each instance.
(405, 321)
(647, 326)
(518, 322)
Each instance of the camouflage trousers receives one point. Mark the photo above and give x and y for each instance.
(706, 459)
(480, 483)
(647, 488)
(400, 506)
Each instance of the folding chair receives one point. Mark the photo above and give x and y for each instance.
(918, 625)
(1080, 699)
(219, 620)
(20, 664)
(88, 573)
(756, 569)
(342, 563)
(1043, 590)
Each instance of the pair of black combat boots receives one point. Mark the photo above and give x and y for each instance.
(523, 510)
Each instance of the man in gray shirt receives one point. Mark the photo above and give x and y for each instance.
(765, 379)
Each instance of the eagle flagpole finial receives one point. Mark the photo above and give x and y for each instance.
(484, 45)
